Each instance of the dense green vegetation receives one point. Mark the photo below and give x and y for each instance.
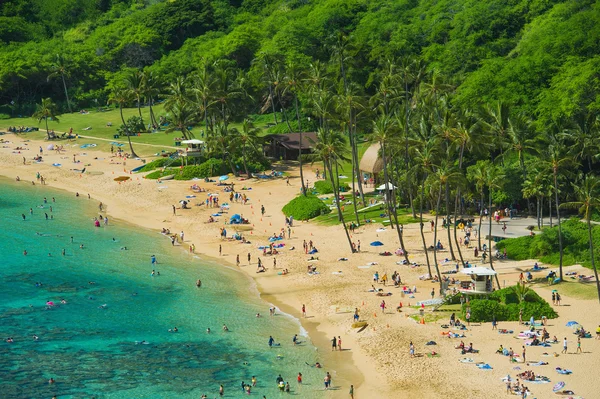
(305, 207)
(544, 245)
(505, 305)
(474, 103)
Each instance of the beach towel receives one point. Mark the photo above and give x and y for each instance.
(540, 363)
(466, 360)
(433, 354)
(563, 371)
(364, 267)
(484, 366)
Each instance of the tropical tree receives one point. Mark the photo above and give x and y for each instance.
(294, 76)
(247, 141)
(203, 87)
(151, 87)
(182, 116)
(477, 174)
(122, 97)
(46, 110)
(494, 181)
(134, 82)
(59, 68)
(587, 192)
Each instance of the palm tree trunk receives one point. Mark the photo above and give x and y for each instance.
(447, 195)
(139, 107)
(537, 212)
(358, 174)
(435, 249)
(490, 237)
(66, 93)
(152, 117)
(455, 234)
(550, 209)
(133, 154)
(589, 223)
(47, 130)
(327, 165)
(421, 224)
(300, 140)
(560, 243)
(354, 171)
(287, 121)
(272, 102)
(480, 219)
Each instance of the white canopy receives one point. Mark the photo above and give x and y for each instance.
(192, 141)
(480, 271)
(387, 186)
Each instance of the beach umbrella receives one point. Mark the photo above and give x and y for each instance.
(223, 178)
(50, 147)
(571, 323)
(558, 386)
(190, 196)
(376, 244)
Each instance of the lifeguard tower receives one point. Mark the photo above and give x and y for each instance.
(480, 282)
(194, 149)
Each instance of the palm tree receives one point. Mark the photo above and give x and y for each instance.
(150, 91)
(383, 132)
(122, 97)
(204, 90)
(59, 68)
(293, 83)
(494, 181)
(183, 115)
(477, 174)
(268, 64)
(330, 148)
(247, 140)
(47, 109)
(557, 160)
(588, 200)
(134, 82)
(533, 187)
(496, 120)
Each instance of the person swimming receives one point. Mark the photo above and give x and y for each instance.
(208, 330)
(225, 328)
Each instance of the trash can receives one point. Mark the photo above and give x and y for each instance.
(116, 136)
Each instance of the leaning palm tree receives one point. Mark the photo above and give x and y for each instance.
(384, 130)
(59, 68)
(293, 83)
(588, 200)
(330, 148)
(46, 110)
(494, 181)
(122, 97)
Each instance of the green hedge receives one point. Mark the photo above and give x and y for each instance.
(544, 245)
(305, 207)
(212, 167)
(161, 162)
(505, 305)
(325, 187)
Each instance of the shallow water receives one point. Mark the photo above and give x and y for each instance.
(90, 349)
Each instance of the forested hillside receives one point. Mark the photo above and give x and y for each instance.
(542, 56)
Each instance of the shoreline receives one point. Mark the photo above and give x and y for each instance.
(117, 207)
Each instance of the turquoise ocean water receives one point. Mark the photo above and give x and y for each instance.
(90, 349)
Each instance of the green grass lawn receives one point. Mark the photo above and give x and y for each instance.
(375, 214)
(574, 289)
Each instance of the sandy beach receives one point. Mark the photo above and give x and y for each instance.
(376, 361)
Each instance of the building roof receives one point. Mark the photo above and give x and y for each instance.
(291, 141)
(479, 271)
(192, 141)
(370, 161)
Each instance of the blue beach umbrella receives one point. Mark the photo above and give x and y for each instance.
(571, 323)
(376, 244)
(224, 177)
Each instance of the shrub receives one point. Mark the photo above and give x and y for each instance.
(305, 207)
(325, 187)
(544, 246)
(4, 116)
(161, 162)
(211, 167)
(505, 305)
(157, 174)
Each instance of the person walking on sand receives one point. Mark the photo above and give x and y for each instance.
(432, 293)
(237, 260)
(220, 250)
(504, 228)
(339, 344)
(382, 306)
(564, 346)
(579, 345)
(174, 210)
(249, 256)
(303, 310)
(524, 353)
(334, 344)
(411, 350)
(351, 392)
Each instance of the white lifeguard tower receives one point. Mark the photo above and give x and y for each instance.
(194, 148)
(480, 282)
